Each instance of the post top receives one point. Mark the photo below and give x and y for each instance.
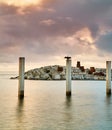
(108, 61)
(21, 57)
(67, 57)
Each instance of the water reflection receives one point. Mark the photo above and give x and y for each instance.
(20, 113)
(68, 115)
(108, 111)
(108, 99)
(20, 106)
(68, 101)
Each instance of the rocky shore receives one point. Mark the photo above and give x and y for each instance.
(58, 72)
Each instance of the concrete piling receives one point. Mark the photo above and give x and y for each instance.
(68, 76)
(21, 77)
(108, 77)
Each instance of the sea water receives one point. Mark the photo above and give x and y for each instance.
(46, 107)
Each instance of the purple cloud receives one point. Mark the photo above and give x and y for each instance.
(44, 30)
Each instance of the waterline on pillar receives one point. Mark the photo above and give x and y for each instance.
(21, 94)
(108, 91)
(68, 93)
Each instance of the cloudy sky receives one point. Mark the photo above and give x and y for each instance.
(44, 31)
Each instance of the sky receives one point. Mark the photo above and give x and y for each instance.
(45, 31)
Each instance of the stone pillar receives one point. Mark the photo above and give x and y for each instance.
(21, 77)
(68, 76)
(108, 77)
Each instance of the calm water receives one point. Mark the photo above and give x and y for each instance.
(45, 106)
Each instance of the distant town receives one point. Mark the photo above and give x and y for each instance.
(58, 72)
(92, 73)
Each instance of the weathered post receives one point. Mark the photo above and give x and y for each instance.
(68, 76)
(21, 77)
(108, 77)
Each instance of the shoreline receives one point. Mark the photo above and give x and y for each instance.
(57, 73)
(12, 78)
